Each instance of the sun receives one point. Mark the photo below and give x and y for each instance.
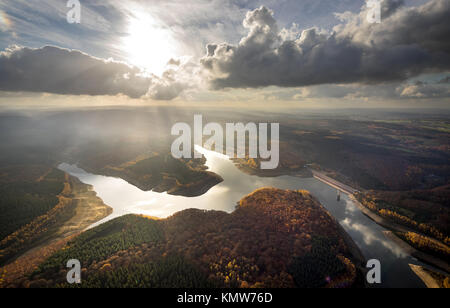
(148, 45)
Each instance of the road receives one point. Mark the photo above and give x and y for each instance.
(333, 183)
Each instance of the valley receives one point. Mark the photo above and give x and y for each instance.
(152, 184)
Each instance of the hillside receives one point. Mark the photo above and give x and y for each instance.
(379, 155)
(275, 238)
(148, 167)
(78, 207)
(426, 211)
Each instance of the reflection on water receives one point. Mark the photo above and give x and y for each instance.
(125, 198)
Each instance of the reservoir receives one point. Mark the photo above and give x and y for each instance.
(125, 198)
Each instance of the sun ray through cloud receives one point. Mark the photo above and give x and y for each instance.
(148, 43)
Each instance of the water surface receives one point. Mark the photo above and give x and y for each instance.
(125, 198)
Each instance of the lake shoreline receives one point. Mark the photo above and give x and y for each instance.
(388, 225)
(89, 208)
(431, 260)
(372, 243)
(427, 279)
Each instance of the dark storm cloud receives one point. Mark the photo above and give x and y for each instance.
(408, 42)
(62, 71)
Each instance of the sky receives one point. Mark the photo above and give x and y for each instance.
(274, 52)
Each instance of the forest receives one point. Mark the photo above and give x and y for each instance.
(406, 162)
(21, 202)
(162, 172)
(275, 238)
(31, 210)
(309, 270)
(104, 241)
(426, 244)
(426, 211)
(167, 272)
(401, 154)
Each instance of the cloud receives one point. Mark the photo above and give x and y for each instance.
(425, 90)
(182, 77)
(41, 23)
(104, 23)
(396, 90)
(62, 71)
(344, 63)
(166, 88)
(408, 42)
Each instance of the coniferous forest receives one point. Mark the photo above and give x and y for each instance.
(275, 238)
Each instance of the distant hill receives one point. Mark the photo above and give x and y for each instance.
(275, 238)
